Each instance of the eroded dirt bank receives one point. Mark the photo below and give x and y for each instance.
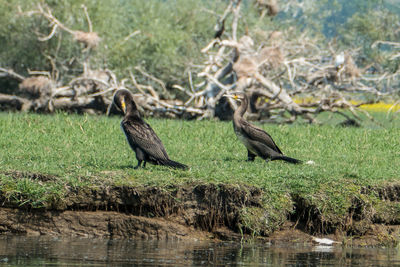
(200, 211)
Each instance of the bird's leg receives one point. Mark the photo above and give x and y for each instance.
(144, 164)
(266, 160)
(138, 164)
(250, 156)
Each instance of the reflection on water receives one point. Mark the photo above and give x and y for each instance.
(45, 251)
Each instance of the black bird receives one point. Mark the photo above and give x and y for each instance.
(219, 28)
(141, 137)
(256, 140)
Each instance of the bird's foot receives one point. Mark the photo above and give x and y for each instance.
(250, 156)
(139, 165)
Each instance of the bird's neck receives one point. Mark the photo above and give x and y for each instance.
(131, 110)
(239, 112)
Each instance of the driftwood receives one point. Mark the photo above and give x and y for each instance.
(15, 102)
(280, 71)
(287, 76)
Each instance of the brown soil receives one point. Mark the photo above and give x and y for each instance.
(105, 224)
(192, 211)
(111, 224)
(186, 212)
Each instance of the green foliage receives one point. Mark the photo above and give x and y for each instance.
(171, 35)
(363, 29)
(20, 48)
(341, 11)
(354, 24)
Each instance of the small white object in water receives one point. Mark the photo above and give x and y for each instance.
(310, 162)
(324, 241)
(323, 248)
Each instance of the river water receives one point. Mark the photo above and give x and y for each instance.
(46, 251)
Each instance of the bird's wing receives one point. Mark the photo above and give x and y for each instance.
(259, 135)
(263, 150)
(143, 136)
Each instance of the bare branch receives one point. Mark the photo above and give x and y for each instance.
(87, 18)
(51, 34)
(152, 78)
(5, 72)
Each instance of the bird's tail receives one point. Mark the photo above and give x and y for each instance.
(287, 159)
(174, 164)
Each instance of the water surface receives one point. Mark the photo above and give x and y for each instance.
(45, 251)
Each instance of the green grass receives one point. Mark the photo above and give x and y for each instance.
(92, 151)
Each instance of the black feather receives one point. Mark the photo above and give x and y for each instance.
(139, 134)
(287, 159)
(174, 164)
(257, 141)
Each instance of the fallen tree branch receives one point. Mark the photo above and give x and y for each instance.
(10, 73)
(15, 102)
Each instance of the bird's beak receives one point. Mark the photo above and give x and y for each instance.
(123, 105)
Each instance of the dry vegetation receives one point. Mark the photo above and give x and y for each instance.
(275, 68)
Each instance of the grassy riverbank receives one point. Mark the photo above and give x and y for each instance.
(90, 151)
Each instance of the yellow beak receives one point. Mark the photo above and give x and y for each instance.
(123, 105)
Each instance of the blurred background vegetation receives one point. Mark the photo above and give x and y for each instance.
(172, 32)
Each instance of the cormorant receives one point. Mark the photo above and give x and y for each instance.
(256, 140)
(140, 136)
(220, 28)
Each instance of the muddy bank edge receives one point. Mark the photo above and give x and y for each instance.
(205, 211)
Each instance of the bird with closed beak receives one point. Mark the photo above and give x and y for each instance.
(257, 141)
(140, 136)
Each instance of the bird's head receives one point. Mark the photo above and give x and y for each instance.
(123, 100)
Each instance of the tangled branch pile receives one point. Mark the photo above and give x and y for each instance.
(285, 75)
